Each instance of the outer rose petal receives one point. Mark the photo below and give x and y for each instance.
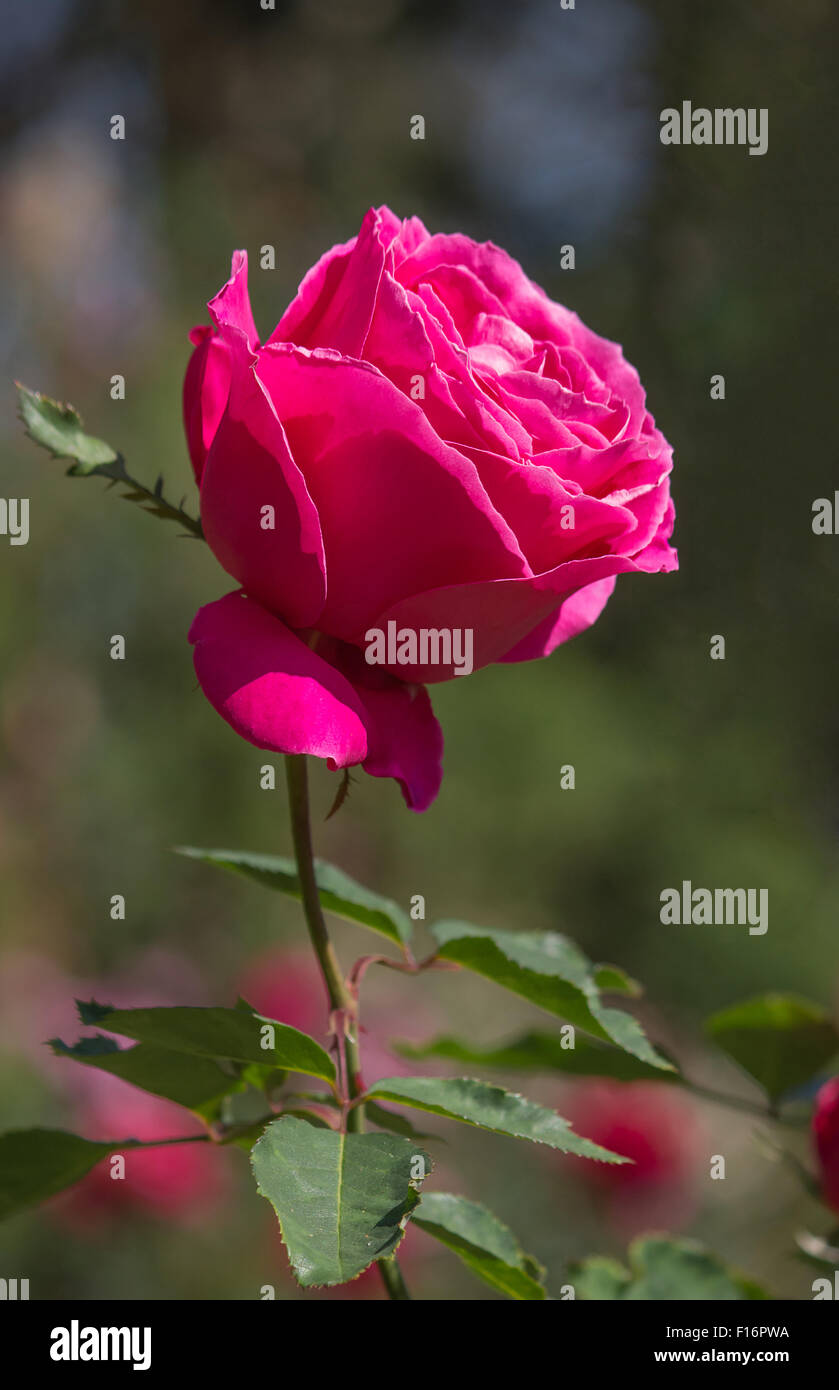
(206, 385)
(405, 740)
(231, 307)
(273, 689)
(574, 615)
(250, 467)
(280, 693)
(502, 612)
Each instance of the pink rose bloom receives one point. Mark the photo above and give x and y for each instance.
(656, 1128)
(826, 1140)
(426, 444)
(179, 1182)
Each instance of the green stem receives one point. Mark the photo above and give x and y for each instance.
(338, 994)
(397, 1289)
(746, 1107)
(301, 832)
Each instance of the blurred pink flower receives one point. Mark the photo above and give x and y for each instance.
(37, 1002)
(282, 982)
(656, 1128)
(176, 1182)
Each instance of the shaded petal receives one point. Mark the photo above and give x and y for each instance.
(249, 468)
(404, 740)
(573, 616)
(502, 612)
(206, 384)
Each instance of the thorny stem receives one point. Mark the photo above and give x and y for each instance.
(342, 1003)
(408, 966)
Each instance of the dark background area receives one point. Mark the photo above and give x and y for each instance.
(247, 127)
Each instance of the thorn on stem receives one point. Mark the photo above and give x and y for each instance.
(342, 793)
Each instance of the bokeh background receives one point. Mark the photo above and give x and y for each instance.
(247, 127)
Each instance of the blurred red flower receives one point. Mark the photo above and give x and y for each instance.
(826, 1140)
(656, 1128)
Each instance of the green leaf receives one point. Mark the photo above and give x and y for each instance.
(229, 1033)
(310, 1118)
(489, 1107)
(342, 1200)
(600, 1279)
(243, 1108)
(396, 1124)
(195, 1082)
(780, 1040)
(58, 428)
(485, 1245)
(550, 971)
(663, 1270)
(38, 1163)
(611, 979)
(338, 892)
(541, 1052)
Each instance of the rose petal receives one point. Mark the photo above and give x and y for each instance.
(502, 612)
(276, 555)
(206, 384)
(529, 307)
(271, 688)
(536, 504)
(313, 295)
(231, 307)
(334, 306)
(573, 616)
(282, 694)
(404, 740)
(400, 510)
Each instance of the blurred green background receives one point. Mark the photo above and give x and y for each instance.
(247, 127)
